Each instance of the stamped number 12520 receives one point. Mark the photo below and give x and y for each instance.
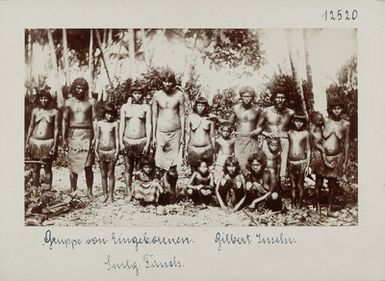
(340, 15)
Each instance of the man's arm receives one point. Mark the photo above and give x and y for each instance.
(154, 107)
(182, 118)
(240, 203)
(347, 146)
(117, 142)
(94, 120)
(260, 124)
(188, 134)
(97, 135)
(220, 200)
(55, 130)
(122, 125)
(148, 129)
(65, 124)
(308, 153)
(212, 136)
(31, 127)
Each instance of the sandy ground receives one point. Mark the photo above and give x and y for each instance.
(123, 213)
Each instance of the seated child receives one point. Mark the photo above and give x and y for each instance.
(201, 185)
(298, 158)
(146, 187)
(230, 189)
(107, 149)
(224, 146)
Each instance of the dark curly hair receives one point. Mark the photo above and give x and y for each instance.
(43, 93)
(231, 160)
(204, 101)
(110, 108)
(260, 157)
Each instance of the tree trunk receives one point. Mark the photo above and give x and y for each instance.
(90, 58)
(309, 98)
(29, 62)
(145, 51)
(103, 57)
(65, 55)
(57, 90)
(294, 68)
(131, 52)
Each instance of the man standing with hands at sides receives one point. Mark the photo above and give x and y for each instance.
(245, 116)
(168, 118)
(79, 120)
(275, 122)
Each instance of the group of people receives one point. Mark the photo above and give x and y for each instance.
(245, 164)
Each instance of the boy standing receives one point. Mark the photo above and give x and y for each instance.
(298, 158)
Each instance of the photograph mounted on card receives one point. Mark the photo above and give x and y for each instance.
(191, 127)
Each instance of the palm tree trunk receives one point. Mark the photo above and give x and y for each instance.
(103, 56)
(29, 62)
(65, 55)
(90, 58)
(131, 51)
(309, 98)
(294, 69)
(58, 92)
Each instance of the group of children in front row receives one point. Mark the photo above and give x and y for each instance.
(229, 187)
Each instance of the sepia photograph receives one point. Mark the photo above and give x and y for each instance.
(191, 127)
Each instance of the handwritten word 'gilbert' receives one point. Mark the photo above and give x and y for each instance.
(222, 239)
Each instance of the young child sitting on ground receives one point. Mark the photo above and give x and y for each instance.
(41, 142)
(201, 185)
(107, 149)
(146, 187)
(298, 158)
(257, 179)
(230, 189)
(224, 146)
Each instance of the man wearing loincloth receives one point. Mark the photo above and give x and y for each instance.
(245, 116)
(336, 146)
(168, 118)
(41, 142)
(135, 132)
(200, 135)
(275, 122)
(79, 120)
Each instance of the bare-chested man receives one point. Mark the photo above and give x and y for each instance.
(79, 121)
(200, 138)
(275, 122)
(169, 131)
(336, 145)
(41, 142)
(245, 116)
(135, 133)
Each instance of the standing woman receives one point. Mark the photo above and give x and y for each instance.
(135, 132)
(200, 136)
(336, 146)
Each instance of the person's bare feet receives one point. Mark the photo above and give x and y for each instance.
(90, 196)
(129, 195)
(105, 198)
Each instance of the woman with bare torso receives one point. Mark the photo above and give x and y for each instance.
(135, 133)
(41, 142)
(200, 135)
(336, 146)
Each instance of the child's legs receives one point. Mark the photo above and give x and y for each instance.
(48, 172)
(73, 181)
(293, 185)
(36, 174)
(103, 171)
(89, 179)
(111, 178)
(318, 184)
(301, 180)
(332, 184)
(129, 163)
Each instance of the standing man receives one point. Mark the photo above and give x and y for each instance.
(79, 120)
(275, 122)
(245, 116)
(168, 119)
